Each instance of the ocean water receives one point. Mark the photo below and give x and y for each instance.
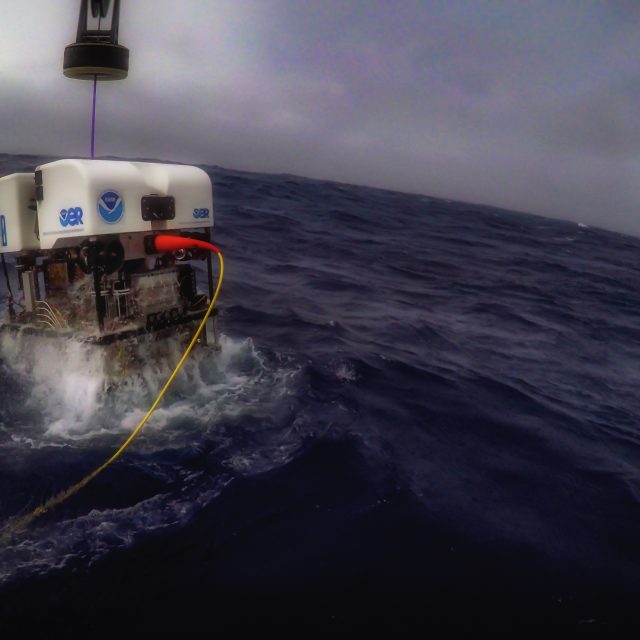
(424, 417)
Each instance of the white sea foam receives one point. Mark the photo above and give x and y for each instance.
(346, 372)
(91, 536)
(64, 379)
(68, 395)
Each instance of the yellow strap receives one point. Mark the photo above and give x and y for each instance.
(24, 521)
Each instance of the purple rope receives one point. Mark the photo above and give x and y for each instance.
(93, 115)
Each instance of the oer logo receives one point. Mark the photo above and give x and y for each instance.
(71, 217)
(200, 213)
(3, 230)
(110, 207)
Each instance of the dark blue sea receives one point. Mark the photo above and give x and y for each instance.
(424, 418)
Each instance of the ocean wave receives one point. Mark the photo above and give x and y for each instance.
(386, 358)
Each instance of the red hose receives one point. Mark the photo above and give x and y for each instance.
(175, 243)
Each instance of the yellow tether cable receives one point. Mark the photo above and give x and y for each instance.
(24, 521)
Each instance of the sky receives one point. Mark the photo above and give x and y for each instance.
(532, 105)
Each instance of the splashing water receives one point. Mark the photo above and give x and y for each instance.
(69, 395)
(68, 402)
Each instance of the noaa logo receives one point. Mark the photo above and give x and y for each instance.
(110, 207)
(3, 230)
(71, 217)
(200, 213)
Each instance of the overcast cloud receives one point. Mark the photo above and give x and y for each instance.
(533, 106)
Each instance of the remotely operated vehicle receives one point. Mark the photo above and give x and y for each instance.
(84, 236)
(89, 237)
